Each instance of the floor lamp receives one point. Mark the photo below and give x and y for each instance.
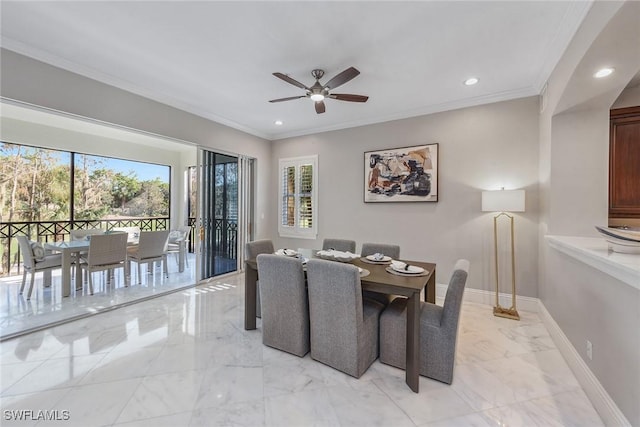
(504, 201)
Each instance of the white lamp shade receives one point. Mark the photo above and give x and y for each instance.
(503, 201)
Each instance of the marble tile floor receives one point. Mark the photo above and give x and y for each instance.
(184, 359)
(47, 306)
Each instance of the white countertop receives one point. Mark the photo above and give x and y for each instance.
(595, 252)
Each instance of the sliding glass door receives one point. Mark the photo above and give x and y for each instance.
(219, 214)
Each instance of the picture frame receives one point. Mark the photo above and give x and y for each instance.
(406, 174)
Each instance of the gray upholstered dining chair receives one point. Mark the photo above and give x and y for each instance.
(106, 252)
(344, 326)
(285, 304)
(438, 330)
(339, 245)
(252, 250)
(35, 259)
(392, 251)
(151, 247)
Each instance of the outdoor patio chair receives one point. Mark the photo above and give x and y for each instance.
(177, 238)
(151, 247)
(106, 252)
(35, 259)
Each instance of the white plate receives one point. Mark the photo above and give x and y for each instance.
(337, 255)
(286, 252)
(359, 270)
(619, 233)
(383, 259)
(401, 267)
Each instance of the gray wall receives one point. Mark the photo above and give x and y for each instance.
(480, 148)
(574, 142)
(27, 80)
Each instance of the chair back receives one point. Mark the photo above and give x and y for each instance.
(152, 244)
(284, 303)
(179, 234)
(453, 298)
(339, 245)
(392, 251)
(107, 249)
(28, 261)
(133, 233)
(185, 230)
(257, 247)
(335, 306)
(82, 234)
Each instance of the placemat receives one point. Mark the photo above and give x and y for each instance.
(368, 261)
(398, 273)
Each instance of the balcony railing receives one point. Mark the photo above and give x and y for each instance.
(51, 231)
(225, 232)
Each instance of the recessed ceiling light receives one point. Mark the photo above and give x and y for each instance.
(603, 73)
(471, 81)
(278, 122)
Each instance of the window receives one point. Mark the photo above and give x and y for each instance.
(298, 197)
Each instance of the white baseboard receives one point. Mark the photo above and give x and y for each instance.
(602, 402)
(489, 298)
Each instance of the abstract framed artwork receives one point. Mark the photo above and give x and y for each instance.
(408, 174)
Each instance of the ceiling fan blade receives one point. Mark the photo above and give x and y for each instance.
(288, 99)
(320, 107)
(342, 78)
(348, 97)
(290, 80)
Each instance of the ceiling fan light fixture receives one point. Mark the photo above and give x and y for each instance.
(319, 92)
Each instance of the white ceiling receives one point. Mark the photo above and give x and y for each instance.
(215, 59)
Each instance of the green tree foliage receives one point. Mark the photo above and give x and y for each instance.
(35, 186)
(124, 189)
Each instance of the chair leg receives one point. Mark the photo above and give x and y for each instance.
(164, 265)
(24, 280)
(33, 277)
(90, 282)
(127, 270)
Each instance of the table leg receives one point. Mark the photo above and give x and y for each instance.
(430, 289)
(66, 273)
(250, 279)
(78, 273)
(413, 342)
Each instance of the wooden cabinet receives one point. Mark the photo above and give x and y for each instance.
(624, 163)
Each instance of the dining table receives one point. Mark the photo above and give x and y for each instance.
(378, 280)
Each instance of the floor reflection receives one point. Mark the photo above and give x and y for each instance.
(185, 360)
(48, 307)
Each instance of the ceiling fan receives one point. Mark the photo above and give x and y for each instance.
(319, 92)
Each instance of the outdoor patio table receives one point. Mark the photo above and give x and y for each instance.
(68, 249)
